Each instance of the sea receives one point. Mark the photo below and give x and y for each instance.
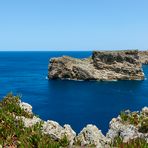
(77, 103)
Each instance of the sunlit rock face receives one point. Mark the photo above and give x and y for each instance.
(102, 65)
(143, 56)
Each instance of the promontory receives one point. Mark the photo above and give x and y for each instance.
(102, 65)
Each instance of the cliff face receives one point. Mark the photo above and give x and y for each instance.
(143, 56)
(102, 65)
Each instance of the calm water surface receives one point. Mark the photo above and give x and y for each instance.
(74, 102)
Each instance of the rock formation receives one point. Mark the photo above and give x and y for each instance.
(143, 56)
(126, 126)
(132, 125)
(102, 65)
(91, 135)
(57, 132)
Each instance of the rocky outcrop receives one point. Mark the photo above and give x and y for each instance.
(143, 56)
(57, 132)
(127, 126)
(28, 122)
(126, 132)
(102, 65)
(91, 135)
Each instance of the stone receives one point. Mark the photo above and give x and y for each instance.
(57, 132)
(92, 136)
(28, 122)
(143, 56)
(27, 107)
(125, 131)
(145, 111)
(102, 66)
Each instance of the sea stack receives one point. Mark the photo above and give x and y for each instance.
(102, 65)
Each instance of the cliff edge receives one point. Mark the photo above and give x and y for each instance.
(20, 127)
(102, 65)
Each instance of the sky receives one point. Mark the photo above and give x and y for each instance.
(73, 24)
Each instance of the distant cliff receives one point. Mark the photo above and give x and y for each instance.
(143, 56)
(102, 65)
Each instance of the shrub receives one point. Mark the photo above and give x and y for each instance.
(135, 143)
(13, 133)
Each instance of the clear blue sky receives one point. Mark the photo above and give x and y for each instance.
(73, 24)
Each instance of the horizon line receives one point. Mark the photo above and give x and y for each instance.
(68, 50)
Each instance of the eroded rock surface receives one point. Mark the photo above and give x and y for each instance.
(92, 136)
(143, 56)
(28, 122)
(127, 131)
(102, 65)
(27, 107)
(58, 132)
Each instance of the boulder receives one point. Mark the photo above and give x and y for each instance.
(57, 132)
(92, 136)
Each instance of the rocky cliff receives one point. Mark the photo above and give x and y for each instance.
(102, 65)
(21, 128)
(128, 127)
(143, 56)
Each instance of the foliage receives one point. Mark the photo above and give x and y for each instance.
(136, 119)
(13, 133)
(144, 125)
(135, 143)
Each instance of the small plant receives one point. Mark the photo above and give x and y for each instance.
(144, 125)
(124, 116)
(64, 141)
(136, 119)
(13, 133)
(135, 143)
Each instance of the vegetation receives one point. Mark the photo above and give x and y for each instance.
(135, 143)
(137, 119)
(13, 133)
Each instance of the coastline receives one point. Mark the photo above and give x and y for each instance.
(128, 126)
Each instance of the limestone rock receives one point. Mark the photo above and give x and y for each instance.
(28, 122)
(125, 131)
(27, 107)
(91, 136)
(57, 132)
(103, 65)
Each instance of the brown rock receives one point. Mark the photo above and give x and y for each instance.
(103, 65)
(143, 56)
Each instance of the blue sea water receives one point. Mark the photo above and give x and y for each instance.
(74, 102)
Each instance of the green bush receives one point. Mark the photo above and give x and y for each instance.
(135, 143)
(13, 133)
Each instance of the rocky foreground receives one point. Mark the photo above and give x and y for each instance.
(120, 128)
(102, 65)
(19, 127)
